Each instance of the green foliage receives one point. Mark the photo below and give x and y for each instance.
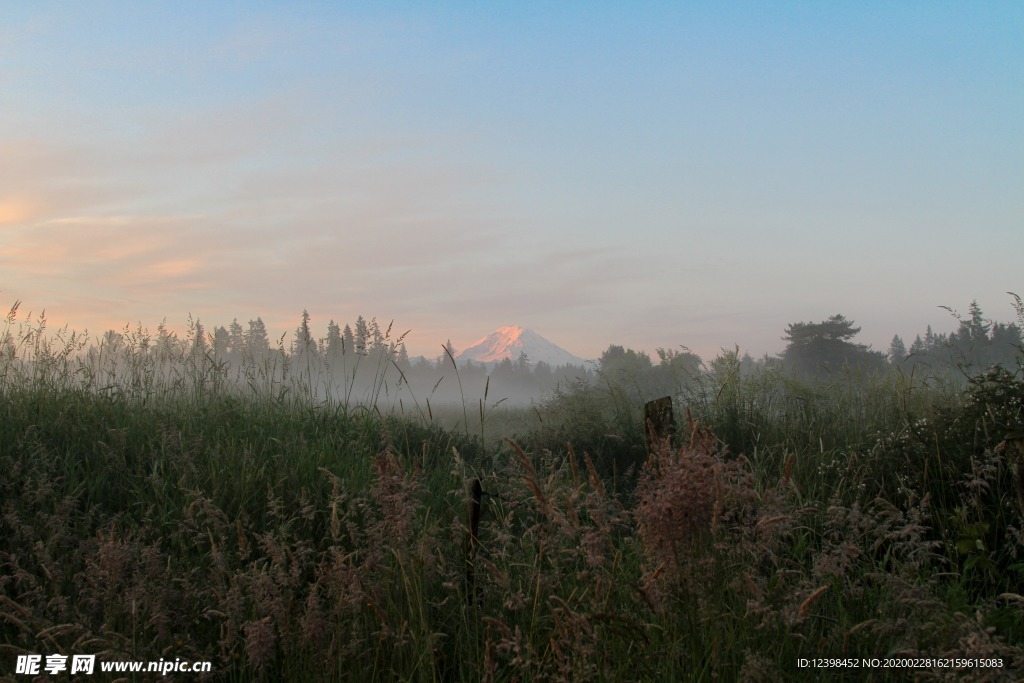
(953, 450)
(825, 348)
(150, 508)
(970, 350)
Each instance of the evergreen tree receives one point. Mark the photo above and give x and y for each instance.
(221, 341)
(897, 351)
(1007, 345)
(971, 346)
(348, 340)
(334, 341)
(256, 340)
(236, 338)
(304, 344)
(918, 348)
(977, 326)
(1008, 333)
(374, 339)
(826, 347)
(198, 336)
(449, 350)
(362, 335)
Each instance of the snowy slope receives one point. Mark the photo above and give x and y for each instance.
(510, 341)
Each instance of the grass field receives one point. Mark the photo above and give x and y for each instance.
(154, 510)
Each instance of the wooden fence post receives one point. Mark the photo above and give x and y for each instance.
(659, 422)
(472, 527)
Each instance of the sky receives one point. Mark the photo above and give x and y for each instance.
(649, 174)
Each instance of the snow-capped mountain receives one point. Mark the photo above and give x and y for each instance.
(510, 342)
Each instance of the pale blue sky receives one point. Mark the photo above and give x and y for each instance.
(646, 174)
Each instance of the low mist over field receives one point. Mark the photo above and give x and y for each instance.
(365, 364)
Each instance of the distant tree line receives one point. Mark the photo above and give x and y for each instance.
(365, 359)
(976, 345)
(826, 348)
(359, 362)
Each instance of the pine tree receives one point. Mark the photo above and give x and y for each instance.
(348, 340)
(334, 341)
(971, 344)
(362, 334)
(236, 338)
(897, 351)
(221, 341)
(256, 338)
(375, 338)
(304, 344)
(449, 350)
(918, 348)
(1007, 345)
(826, 346)
(977, 325)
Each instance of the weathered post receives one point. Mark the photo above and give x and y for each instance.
(659, 422)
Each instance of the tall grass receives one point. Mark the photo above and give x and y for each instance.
(155, 506)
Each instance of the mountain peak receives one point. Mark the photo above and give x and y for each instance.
(510, 341)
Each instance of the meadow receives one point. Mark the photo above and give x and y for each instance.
(169, 507)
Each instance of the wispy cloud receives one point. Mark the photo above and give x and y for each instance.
(458, 171)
